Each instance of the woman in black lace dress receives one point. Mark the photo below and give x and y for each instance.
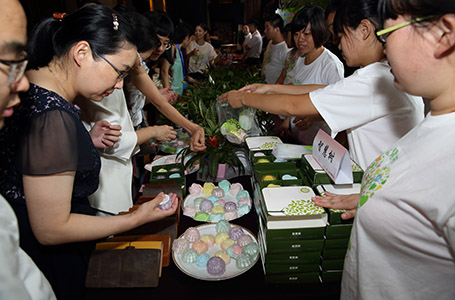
(49, 163)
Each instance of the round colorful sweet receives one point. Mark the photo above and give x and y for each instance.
(200, 247)
(225, 185)
(251, 249)
(222, 226)
(175, 170)
(206, 206)
(221, 237)
(175, 175)
(235, 233)
(162, 170)
(234, 251)
(273, 185)
(221, 202)
(214, 218)
(288, 177)
(217, 210)
(258, 154)
(189, 211)
(180, 245)
(243, 209)
(244, 200)
(202, 259)
(189, 256)
(192, 234)
(241, 194)
(218, 192)
(195, 189)
(212, 198)
(166, 203)
(160, 177)
(223, 256)
(244, 261)
(208, 188)
(263, 161)
(244, 240)
(231, 215)
(209, 239)
(230, 206)
(268, 178)
(235, 188)
(216, 266)
(201, 216)
(197, 201)
(227, 243)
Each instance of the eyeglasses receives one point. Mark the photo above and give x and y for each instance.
(121, 74)
(17, 68)
(384, 33)
(166, 45)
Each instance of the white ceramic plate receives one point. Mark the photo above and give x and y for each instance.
(189, 200)
(201, 273)
(170, 159)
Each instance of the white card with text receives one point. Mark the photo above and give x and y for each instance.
(333, 158)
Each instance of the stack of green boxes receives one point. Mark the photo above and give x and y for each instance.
(291, 236)
(338, 231)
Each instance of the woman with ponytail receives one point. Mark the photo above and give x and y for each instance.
(50, 164)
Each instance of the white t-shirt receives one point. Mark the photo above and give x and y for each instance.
(402, 244)
(325, 70)
(255, 44)
(114, 193)
(201, 61)
(20, 278)
(274, 61)
(367, 105)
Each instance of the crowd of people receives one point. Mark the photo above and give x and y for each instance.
(72, 122)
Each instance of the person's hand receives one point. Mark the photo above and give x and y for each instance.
(169, 94)
(164, 133)
(258, 88)
(284, 128)
(303, 123)
(234, 98)
(104, 135)
(336, 201)
(198, 140)
(149, 211)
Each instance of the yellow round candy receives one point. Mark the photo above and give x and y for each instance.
(224, 256)
(226, 244)
(273, 185)
(217, 210)
(208, 188)
(263, 161)
(221, 237)
(268, 178)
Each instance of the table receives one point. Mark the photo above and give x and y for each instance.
(250, 285)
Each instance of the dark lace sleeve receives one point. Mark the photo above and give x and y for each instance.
(50, 145)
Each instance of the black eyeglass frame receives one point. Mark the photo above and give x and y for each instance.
(122, 74)
(17, 67)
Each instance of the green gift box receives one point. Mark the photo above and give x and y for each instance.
(168, 173)
(316, 174)
(332, 264)
(331, 275)
(334, 253)
(338, 231)
(293, 278)
(279, 268)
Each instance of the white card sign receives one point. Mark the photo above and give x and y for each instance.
(333, 158)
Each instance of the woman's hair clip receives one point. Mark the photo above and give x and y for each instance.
(58, 15)
(115, 22)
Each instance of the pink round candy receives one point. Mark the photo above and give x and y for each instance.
(244, 240)
(195, 189)
(218, 192)
(192, 234)
(180, 245)
(236, 249)
(235, 188)
(221, 202)
(189, 211)
(200, 247)
(231, 215)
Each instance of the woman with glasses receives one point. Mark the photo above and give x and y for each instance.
(49, 163)
(366, 104)
(402, 245)
(201, 54)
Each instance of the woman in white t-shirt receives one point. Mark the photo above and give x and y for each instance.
(402, 244)
(314, 65)
(201, 53)
(366, 104)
